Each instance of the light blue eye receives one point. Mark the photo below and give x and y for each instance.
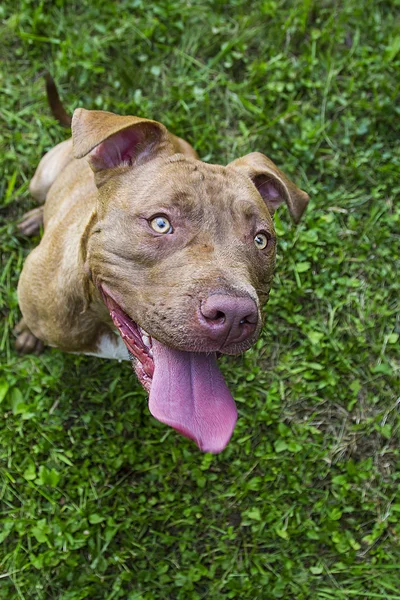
(161, 225)
(261, 241)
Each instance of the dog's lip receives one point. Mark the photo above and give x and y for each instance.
(136, 339)
(105, 291)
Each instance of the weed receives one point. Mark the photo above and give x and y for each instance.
(98, 500)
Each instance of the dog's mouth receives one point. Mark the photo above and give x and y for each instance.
(186, 389)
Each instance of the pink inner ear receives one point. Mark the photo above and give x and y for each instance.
(270, 191)
(122, 148)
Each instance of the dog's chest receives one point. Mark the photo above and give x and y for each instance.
(111, 346)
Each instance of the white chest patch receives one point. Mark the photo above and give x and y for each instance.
(111, 346)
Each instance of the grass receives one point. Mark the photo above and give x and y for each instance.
(97, 499)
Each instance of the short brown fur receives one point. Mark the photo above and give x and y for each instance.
(97, 211)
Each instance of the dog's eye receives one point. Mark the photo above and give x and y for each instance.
(161, 225)
(261, 241)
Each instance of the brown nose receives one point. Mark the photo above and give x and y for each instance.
(228, 319)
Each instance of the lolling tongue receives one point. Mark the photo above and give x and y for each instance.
(189, 393)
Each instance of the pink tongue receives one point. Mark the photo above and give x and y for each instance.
(189, 393)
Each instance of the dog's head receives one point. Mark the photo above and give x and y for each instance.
(183, 253)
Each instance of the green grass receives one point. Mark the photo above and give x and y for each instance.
(97, 499)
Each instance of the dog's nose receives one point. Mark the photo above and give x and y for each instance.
(228, 319)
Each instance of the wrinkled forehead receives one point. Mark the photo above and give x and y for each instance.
(199, 190)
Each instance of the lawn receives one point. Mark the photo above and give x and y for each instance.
(97, 499)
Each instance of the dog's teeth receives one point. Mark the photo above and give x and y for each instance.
(145, 337)
(151, 353)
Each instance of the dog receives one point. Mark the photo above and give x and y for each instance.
(152, 255)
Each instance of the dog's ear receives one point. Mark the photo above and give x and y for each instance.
(273, 185)
(111, 141)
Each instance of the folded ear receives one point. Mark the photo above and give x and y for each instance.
(273, 185)
(111, 140)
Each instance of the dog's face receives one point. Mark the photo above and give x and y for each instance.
(174, 233)
(182, 250)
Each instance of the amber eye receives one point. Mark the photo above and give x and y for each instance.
(161, 225)
(261, 241)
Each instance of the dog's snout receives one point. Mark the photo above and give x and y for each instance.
(228, 319)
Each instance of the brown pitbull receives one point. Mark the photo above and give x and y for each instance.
(150, 254)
